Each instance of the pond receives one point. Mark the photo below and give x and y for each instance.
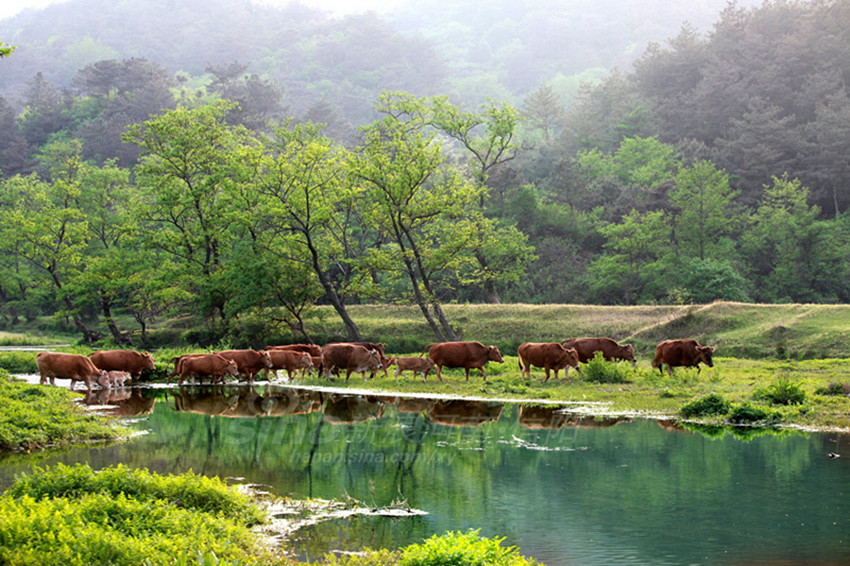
(567, 489)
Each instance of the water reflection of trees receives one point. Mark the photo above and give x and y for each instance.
(508, 473)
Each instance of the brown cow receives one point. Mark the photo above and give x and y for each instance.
(177, 360)
(687, 353)
(350, 357)
(466, 355)
(411, 363)
(67, 366)
(249, 362)
(131, 361)
(213, 366)
(547, 355)
(611, 350)
(311, 349)
(290, 360)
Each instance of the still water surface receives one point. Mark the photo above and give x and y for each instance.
(567, 490)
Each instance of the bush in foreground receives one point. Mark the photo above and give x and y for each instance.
(71, 515)
(450, 549)
(783, 392)
(36, 416)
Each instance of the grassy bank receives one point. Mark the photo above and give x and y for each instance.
(625, 389)
(37, 416)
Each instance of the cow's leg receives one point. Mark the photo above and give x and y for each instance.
(483, 375)
(467, 373)
(546, 370)
(670, 370)
(440, 373)
(347, 374)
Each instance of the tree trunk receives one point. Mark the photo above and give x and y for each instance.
(119, 337)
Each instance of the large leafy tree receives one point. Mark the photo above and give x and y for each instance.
(309, 210)
(425, 211)
(190, 159)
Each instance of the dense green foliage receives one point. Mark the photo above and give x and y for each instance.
(74, 515)
(450, 549)
(710, 405)
(598, 370)
(37, 416)
(145, 193)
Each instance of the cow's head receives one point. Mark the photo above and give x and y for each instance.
(148, 361)
(391, 361)
(374, 361)
(627, 352)
(704, 353)
(570, 356)
(493, 354)
(306, 359)
(230, 368)
(266, 358)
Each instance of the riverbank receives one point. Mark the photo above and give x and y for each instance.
(35, 417)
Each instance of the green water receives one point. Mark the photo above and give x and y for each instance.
(568, 491)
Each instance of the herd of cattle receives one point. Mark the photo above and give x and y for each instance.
(113, 368)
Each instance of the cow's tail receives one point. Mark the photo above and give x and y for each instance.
(426, 350)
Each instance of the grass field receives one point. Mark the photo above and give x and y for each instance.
(759, 347)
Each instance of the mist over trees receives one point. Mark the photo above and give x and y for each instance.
(274, 159)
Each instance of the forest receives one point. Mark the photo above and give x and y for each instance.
(143, 186)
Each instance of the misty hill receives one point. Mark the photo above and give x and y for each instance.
(468, 49)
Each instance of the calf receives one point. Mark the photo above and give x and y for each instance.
(412, 363)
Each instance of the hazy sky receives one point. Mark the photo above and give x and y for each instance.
(11, 7)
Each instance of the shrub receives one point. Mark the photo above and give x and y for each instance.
(462, 549)
(598, 370)
(747, 414)
(834, 389)
(707, 406)
(18, 362)
(783, 392)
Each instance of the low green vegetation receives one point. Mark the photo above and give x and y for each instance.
(598, 370)
(37, 416)
(72, 515)
(450, 549)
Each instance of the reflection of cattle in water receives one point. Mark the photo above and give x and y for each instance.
(213, 401)
(538, 417)
(282, 403)
(351, 409)
(246, 403)
(672, 425)
(125, 402)
(464, 413)
(591, 421)
(413, 405)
